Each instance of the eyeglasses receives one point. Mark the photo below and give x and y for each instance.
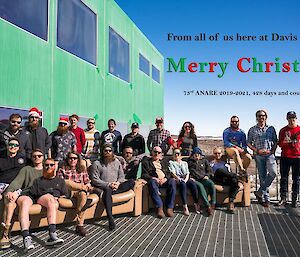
(218, 153)
(34, 117)
(261, 115)
(234, 121)
(91, 122)
(13, 145)
(187, 127)
(47, 165)
(62, 124)
(107, 150)
(157, 152)
(37, 156)
(72, 158)
(15, 121)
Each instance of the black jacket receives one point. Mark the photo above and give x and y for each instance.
(40, 139)
(199, 168)
(149, 171)
(136, 142)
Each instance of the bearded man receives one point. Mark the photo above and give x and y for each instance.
(63, 141)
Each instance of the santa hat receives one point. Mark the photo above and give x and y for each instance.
(64, 120)
(34, 112)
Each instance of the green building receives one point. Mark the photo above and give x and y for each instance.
(78, 56)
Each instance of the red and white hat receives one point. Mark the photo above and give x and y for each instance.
(34, 112)
(64, 120)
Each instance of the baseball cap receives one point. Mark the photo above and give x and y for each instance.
(159, 120)
(134, 125)
(197, 150)
(291, 114)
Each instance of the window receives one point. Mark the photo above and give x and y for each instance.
(77, 29)
(155, 74)
(144, 64)
(30, 15)
(118, 55)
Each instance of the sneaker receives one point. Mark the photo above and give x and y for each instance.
(282, 202)
(266, 204)
(28, 245)
(230, 207)
(80, 230)
(197, 208)
(294, 204)
(258, 195)
(186, 210)
(54, 241)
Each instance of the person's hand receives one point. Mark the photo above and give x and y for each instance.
(12, 196)
(162, 181)
(205, 178)
(156, 179)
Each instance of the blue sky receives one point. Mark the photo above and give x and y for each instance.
(211, 114)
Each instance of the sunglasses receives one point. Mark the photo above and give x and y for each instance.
(15, 121)
(157, 152)
(37, 156)
(261, 115)
(61, 124)
(72, 158)
(187, 126)
(107, 150)
(47, 165)
(13, 145)
(234, 121)
(91, 122)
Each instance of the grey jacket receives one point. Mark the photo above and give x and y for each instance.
(102, 174)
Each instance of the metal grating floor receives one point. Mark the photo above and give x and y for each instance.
(253, 231)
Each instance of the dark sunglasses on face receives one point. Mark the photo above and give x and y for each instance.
(72, 158)
(61, 124)
(91, 122)
(261, 115)
(13, 145)
(37, 156)
(187, 126)
(107, 150)
(234, 121)
(47, 165)
(15, 121)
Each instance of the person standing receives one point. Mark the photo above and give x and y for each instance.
(135, 140)
(262, 140)
(39, 136)
(92, 144)
(187, 139)
(289, 141)
(78, 132)
(112, 136)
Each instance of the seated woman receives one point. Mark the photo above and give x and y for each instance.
(201, 172)
(223, 176)
(187, 139)
(77, 180)
(180, 171)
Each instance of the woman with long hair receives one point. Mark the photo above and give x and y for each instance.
(187, 139)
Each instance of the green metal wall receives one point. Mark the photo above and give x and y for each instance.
(38, 73)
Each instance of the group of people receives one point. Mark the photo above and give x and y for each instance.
(36, 167)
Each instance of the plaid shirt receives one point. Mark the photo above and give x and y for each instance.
(262, 138)
(158, 138)
(78, 177)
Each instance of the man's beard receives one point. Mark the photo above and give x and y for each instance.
(108, 158)
(33, 125)
(62, 130)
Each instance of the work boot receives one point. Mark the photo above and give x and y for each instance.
(197, 208)
(259, 196)
(170, 212)
(294, 201)
(5, 236)
(81, 230)
(230, 207)
(160, 213)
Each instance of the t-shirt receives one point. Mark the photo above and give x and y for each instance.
(10, 167)
(289, 141)
(114, 138)
(80, 138)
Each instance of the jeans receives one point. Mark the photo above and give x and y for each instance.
(209, 184)
(266, 165)
(154, 187)
(285, 165)
(183, 190)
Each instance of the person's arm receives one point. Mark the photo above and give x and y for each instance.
(275, 140)
(48, 142)
(82, 138)
(18, 182)
(281, 138)
(146, 169)
(64, 189)
(250, 141)
(119, 144)
(226, 141)
(121, 175)
(149, 141)
(142, 150)
(243, 139)
(172, 170)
